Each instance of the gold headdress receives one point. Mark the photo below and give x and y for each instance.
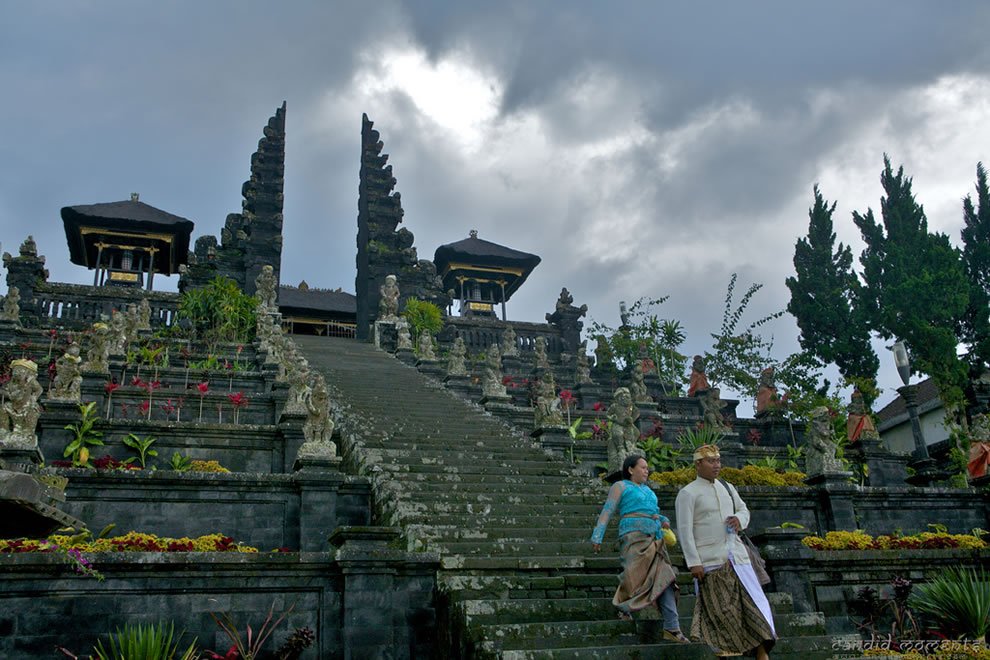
(27, 364)
(706, 451)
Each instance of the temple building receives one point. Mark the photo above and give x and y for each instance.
(125, 243)
(482, 274)
(310, 311)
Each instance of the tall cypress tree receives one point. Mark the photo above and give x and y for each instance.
(823, 297)
(976, 257)
(914, 284)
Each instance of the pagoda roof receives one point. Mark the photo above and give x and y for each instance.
(478, 258)
(323, 300)
(126, 219)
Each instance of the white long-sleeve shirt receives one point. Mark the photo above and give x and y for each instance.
(702, 507)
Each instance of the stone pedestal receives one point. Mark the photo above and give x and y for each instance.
(406, 356)
(883, 467)
(588, 394)
(20, 460)
(788, 561)
(386, 336)
(459, 384)
(732, 454)
(290, 427)
(319, 480)
(554, 434)
(648, 410)
(497, 404)
(434, 368)
(511, 365)
(925, 472)
(836, 494)
(377, 576)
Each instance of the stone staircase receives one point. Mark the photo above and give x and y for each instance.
(510, 520)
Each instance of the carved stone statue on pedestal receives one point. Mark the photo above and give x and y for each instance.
(131, 323)
(425, 345)
(820, 447)
(567, 319)
(403, 338)
(68, 376)
(546, 409)
(491, 382)
(979, 446)
(297, 375)
(711, 409)
(388, 301)
(699, 381)
(318, 427)
(859, 423)
(144, 315)
(582, 372)
(625, 432)
(540, 353)
(98, 350)
(509, 347)
(11, 305)
(637, 385)
(118, 333)
(20, 410)
(766, 395)
(455, 359)
(266, 289)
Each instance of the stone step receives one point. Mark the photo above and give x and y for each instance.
(506, 495)
(822, 647)
(423, 487)
(453, 455)
(548, 470)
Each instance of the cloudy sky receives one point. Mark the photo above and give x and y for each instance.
(641, 148)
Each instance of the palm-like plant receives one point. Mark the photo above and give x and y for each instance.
(959, 601)
(701, 435)
(151, 642)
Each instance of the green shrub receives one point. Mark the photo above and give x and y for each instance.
(423, 315)
(151, 642)
(217, 312)
(959, 601)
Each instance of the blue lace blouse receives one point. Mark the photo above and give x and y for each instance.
(628, 497)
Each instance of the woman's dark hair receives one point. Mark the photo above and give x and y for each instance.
(630, 463)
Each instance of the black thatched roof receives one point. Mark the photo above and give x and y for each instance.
(480, 252)
(321, 300)
(473, 251)
(126, 216)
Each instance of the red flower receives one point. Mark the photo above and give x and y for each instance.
(152, 385)
(203, 388)
(110, 387)
(238, 399)
(53, 333)
(598, 407)
(506, 380)
(137, 382)
(144, 406)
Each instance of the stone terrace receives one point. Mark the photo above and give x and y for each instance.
(510, 520)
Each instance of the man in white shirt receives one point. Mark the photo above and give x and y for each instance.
(732, 614)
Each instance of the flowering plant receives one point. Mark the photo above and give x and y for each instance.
(237, 400)
(202, 388)
(860, 540)
(109, 388)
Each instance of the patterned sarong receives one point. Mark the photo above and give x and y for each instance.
(646, 572)
(726, 617)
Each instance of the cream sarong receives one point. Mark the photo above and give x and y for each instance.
(646, 572)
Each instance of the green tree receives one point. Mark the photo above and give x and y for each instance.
(823, 296)
(914, 284)
(660, 338)
(423, 316)
(976, 259)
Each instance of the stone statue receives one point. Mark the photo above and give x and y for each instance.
(509, 346)
(388, 301)
(318, 427)
(820, 447)
(425, 346)
(637, 385)
(144, 315)
(699, 381)
(266, 289)
(455, 359)
(20, 410)
(625, 433)
(68, 376)
(404, 341)
(711, 409)
(546, 407)
(582, 372)
(491, 382)
(603, 352)
(132, 321)
(11, 305)
(29, 248)
(98, 350)
(118, 333)
(540, 354)
(564, 301)
(979, 446)
(766, 395)
(859, 424)
(297, 375)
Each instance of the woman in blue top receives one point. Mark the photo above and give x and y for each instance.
(647, 575)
